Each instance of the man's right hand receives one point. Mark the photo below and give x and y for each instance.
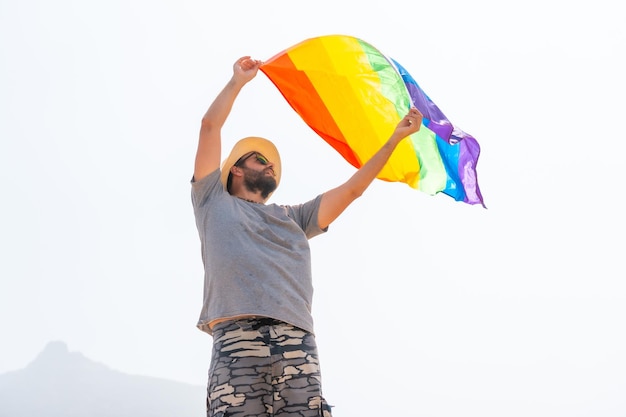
(245, 69)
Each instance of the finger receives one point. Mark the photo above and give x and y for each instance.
(414, 112)
(248, 64)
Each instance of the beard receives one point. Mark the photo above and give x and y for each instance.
(258, 181)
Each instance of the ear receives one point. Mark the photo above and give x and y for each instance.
(236, 171)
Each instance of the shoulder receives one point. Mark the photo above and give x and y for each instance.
(206, 187)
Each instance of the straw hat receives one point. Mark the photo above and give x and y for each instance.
(247, 145)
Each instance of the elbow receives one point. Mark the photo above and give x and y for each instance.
(355, 193)
(351, 192)
(206, 123)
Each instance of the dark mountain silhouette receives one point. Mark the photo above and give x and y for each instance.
(59, 383)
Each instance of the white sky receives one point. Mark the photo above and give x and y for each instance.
(423, 306)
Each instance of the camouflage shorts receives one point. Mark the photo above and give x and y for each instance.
(264, 367)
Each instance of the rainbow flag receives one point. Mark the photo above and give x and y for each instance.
(353, 97)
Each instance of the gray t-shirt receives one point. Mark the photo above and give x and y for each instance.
(256, 257)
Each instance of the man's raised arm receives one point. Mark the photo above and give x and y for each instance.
(335, 201)
(209, 150)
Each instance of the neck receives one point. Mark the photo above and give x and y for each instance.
(249, 200)
(245, 194)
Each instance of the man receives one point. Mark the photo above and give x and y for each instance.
(258, 287)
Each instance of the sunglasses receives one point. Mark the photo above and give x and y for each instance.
(260, 159)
